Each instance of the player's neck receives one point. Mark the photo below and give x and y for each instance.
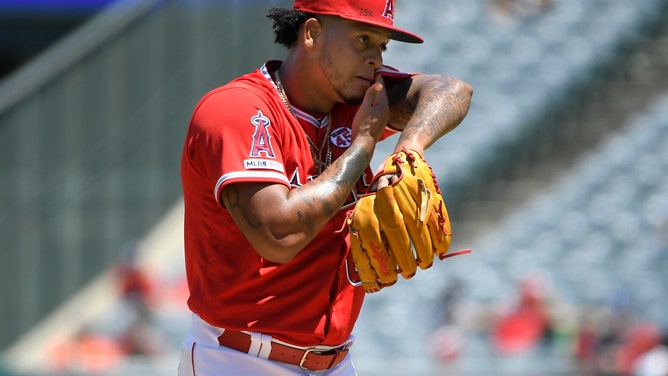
(302, 92)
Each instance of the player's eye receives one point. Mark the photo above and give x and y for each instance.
(365, 41)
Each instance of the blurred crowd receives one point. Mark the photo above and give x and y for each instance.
(131, 330)
(605, 339)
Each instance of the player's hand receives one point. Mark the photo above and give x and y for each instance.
(383, 181)
(374, 113)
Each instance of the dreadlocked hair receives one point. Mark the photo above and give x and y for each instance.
(286, 24)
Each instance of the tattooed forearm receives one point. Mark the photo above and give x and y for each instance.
(346, 171)
(330, 190)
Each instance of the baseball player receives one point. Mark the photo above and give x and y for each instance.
(272, 163)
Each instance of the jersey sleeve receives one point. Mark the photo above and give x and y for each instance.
(234, 137)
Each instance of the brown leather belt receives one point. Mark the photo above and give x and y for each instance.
(309, 359)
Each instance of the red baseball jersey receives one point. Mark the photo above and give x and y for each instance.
(243, 132)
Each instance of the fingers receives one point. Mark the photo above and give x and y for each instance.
(374, 92)
(377, 88)
(373, 114)
(386, 180)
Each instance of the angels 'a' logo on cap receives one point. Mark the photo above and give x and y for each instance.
(389, 9)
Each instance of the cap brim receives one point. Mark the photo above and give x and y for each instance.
(395, 33)
(404, 36)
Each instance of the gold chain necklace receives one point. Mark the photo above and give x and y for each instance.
(316, 153)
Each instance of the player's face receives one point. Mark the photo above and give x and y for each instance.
(350, 55)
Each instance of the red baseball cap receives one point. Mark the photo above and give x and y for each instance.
(373, 12)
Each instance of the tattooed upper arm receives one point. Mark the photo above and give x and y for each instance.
(435, 101)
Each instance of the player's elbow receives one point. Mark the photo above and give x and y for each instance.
(462, 91)
(279, 240)
(458, 102)
(465, 89)
(280, 250)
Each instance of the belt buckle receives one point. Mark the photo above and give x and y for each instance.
(337, 350)
(306, 352)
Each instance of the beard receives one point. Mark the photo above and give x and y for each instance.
(337, 80)
(353, 101)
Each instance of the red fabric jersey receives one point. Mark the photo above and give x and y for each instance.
(242, 132)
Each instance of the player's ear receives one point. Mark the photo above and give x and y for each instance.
(312, 30)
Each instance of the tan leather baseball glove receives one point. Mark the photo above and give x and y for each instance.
(401, 226)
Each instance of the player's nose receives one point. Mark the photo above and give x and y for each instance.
(375, 59)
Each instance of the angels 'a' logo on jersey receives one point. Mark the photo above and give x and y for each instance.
(261, 137)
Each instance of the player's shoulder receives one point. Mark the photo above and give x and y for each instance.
(248, 90)
(249, 85)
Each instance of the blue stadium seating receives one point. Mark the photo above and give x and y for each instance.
(604, 226)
